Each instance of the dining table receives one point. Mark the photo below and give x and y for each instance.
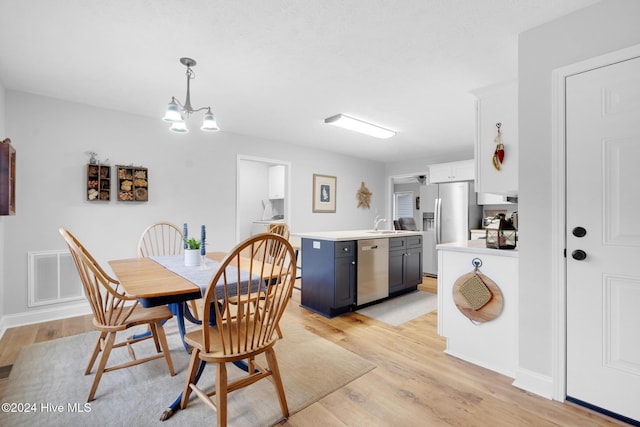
(153, 284)
(165, 280)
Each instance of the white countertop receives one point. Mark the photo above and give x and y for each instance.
(476, 246)
(357, 234)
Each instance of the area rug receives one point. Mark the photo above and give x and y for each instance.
(399, 310)
(47, 385)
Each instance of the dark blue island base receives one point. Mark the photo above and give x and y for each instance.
(329, 273)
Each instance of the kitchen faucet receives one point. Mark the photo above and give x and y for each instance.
(377, 221)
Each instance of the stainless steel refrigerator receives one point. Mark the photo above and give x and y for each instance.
(450, 211)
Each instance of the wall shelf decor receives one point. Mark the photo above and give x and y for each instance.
(98, 182)
(7, 178)
(133, 183)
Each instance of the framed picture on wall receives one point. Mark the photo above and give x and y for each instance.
(324, 193)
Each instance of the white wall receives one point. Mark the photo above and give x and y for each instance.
(253, 180)
(3, 135)
(602, 28)
(191, 179)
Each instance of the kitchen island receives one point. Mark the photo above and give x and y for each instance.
(346, 270)
(493, 343)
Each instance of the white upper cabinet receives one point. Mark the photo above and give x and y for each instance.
(497, 104)
(453, 171)
(276, 182)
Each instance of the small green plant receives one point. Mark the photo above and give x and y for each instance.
(192, 243)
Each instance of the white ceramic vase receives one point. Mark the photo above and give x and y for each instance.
(192, 257)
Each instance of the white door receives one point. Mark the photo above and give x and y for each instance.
(603, 198)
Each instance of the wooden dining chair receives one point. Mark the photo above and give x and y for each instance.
(114, 311)
(165, 238)
(281, 229)
(237, 329)
(160, 238)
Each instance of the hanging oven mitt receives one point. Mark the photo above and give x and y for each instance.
(475, 292)
(498, 154)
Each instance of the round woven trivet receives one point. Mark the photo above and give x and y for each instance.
(486, 313)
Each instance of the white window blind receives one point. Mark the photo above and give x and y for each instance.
(403, 204)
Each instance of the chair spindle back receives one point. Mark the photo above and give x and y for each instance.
(161, 238)
(248, 324)
(106, 297)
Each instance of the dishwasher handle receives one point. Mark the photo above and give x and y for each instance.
(369, 248)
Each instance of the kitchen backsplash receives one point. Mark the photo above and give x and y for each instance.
(490, 211)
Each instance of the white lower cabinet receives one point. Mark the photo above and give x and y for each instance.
(492, 344)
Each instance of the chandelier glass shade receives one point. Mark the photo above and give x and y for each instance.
(177, 111)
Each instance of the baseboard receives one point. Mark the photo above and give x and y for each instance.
(43, 315)
(491, 367)
(533, 382)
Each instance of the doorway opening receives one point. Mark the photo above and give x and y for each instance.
(256, 203)
(407, 191)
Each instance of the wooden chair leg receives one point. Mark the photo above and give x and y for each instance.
(194, 361)
(108, 345)
(161, 337)
(221, 394)
(154, 334)
(96, 351)
(193, 306)
(251, 365)
(272, 361)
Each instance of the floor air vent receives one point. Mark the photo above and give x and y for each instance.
(53, 278)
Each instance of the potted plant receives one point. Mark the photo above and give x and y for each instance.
(191, 252)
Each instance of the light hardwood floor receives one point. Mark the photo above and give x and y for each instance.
(414, 382)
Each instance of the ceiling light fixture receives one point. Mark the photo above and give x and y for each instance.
(176, 110)
(358, 125)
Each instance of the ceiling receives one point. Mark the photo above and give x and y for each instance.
(276, 69)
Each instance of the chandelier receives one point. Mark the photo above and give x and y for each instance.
(176, 111)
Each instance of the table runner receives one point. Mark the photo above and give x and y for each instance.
(202, 277)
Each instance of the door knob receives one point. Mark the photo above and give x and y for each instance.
(579, 232)
(578, 255)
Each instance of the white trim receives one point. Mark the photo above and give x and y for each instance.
(45, 315)
(287, 197)
(558, 245)
(558, 208)
(533, 382)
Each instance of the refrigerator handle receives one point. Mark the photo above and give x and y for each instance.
(436, 209)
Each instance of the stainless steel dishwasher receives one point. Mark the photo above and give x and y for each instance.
(373, 270)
